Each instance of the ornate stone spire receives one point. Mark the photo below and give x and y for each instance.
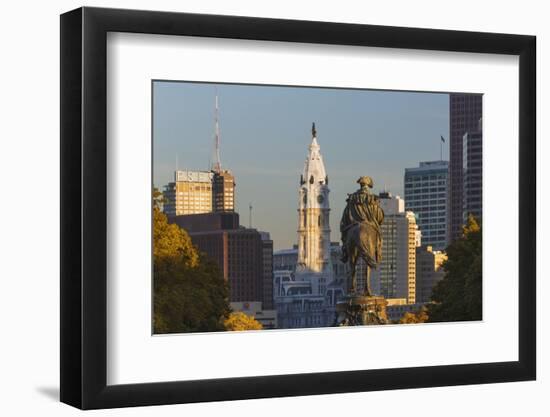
(314, 168)
(313, 220)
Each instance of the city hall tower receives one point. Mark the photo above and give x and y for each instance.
(313, 217)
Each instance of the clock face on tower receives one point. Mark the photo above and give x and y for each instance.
(320, 199)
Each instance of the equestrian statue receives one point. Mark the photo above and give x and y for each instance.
(361, 233)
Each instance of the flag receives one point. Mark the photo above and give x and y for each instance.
(442, 139)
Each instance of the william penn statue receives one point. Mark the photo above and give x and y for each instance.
(361, 232)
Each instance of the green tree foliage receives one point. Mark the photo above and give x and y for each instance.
(190, 294)
(239, 321)
(457, 297)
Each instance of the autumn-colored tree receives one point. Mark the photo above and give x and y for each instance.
(421, 316)
(457, 297)
(171, 243)
(190, 294)
(239, 321)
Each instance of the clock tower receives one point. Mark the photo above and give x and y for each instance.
(313, 217)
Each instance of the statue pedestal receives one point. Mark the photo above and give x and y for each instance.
(360, 310)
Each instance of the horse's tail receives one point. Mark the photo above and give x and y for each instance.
(366, 238)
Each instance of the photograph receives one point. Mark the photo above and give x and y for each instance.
(297, 204)
(295, 207)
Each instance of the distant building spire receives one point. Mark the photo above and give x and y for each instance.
(216, 165)
(313, 218)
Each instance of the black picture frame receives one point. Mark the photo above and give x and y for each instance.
(84, 207)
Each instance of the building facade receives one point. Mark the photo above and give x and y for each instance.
(243, 255)
(306, 294)
(426, 196)
(465, 111)
(472, 159)
(196, 192)
(267, 285)
(190, 193)
(395, 276)
(313, 217)
(429, 271)
(287, 259)
(223, 191)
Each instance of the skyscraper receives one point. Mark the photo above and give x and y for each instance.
(244, 256)
(223, 191)
(426, 196)
(267, 285)
(395, 276)
(196, 192)
(472, 160)
(464, 114)
(190, 193)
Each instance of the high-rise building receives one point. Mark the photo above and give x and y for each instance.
(240, 253)
(426, 196)
(196, 192)
(223, 191)
(464, 115)
(267, 285)
(472, 160)
(190, 193)
(428, 271)
(395, 276)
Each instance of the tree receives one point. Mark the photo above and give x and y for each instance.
(239, 321)
(457, 297)
(421, 316)
(172, 244)
(190, 294)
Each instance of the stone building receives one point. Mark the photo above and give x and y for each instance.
(305, 296)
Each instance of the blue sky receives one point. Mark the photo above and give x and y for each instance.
(266, 130)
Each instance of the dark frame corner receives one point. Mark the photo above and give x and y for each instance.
(83, 207)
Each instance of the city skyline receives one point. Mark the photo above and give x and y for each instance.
(265, 132)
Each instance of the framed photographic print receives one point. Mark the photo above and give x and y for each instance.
(257, 207)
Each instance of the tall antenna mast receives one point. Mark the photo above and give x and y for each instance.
(217, 165)
(250, 215)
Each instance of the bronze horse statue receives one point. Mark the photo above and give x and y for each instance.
(361, 243)
(361, 233)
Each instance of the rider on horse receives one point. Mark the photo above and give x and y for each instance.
(362, 208)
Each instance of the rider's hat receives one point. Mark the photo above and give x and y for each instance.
(365, 181)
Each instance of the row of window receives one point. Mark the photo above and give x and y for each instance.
(432, 211)
(426, 177)
(426, 191)
(409, 184)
